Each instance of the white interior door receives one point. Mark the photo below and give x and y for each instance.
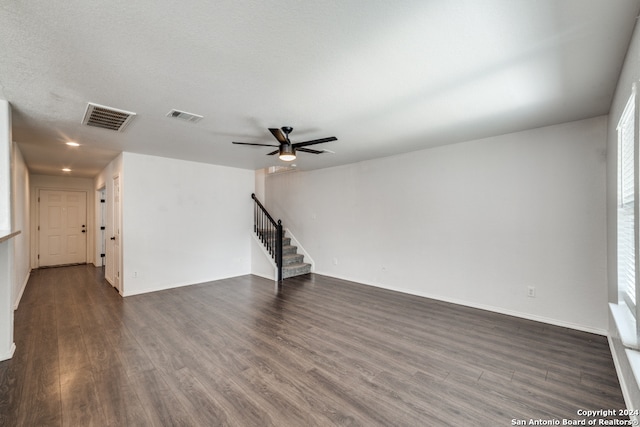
(102, 234)
(113, 261)
(108, 261)
(62, 227)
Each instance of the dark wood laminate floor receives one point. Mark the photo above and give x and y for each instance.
(320, 352)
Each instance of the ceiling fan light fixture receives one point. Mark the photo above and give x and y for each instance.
(287, 157)
(286, 150)
(287, 153)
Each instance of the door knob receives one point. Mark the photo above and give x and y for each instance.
(113, 238)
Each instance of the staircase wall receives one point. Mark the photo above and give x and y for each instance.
(294, 259)
(301, 250)
(261, 262)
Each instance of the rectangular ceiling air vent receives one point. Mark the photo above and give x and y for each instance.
(106, 117)
(183, 115)
(280, 169)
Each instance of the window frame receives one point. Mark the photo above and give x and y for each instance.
(627, 124)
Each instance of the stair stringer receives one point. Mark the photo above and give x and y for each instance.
(296, 242)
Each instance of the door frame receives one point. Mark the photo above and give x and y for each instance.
(113, 211)
(44, 230)
(35, 221)
(101, 226)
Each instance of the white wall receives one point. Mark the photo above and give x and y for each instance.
(630, 74)
(474, 223)
(105, 180)
(20, 205)
(183, 222)
(260, 181)
(261, 261)
(5, 165)
(7, 270)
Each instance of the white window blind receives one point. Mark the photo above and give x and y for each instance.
(626, 203)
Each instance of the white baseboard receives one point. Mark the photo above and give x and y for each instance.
(9, 355)
(493, 309)
(168, 286)
(264, 276)
(22, 288)
(259, 266)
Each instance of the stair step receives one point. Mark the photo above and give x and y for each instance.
(291, 259)
(286, 241)
(292, 262)
(288, 249)
(295, 270)
(266, 233)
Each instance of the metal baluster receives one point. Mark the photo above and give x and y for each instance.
(269, 232)
(279, 237)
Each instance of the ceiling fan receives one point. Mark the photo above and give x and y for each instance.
(286, 150)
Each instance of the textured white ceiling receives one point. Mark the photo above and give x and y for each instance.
(384, 77)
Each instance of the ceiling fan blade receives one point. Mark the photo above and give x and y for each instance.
(315, 141)
(251, 143)
(278, 134)
(273, 152)
(309, 150)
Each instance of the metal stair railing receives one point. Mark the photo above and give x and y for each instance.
(269, 232)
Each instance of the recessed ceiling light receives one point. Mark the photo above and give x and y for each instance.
(73, 144)
(66, 170)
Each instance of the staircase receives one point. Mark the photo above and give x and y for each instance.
(288, 262)
(292, 261)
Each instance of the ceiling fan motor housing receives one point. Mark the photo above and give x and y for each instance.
(287, 149)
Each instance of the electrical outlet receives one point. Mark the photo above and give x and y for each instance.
(135, 274)
(531, 292)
